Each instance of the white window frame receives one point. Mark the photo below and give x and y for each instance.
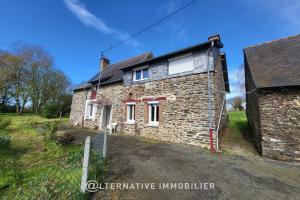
(142, 74)
(132, 121)
(88, 112)
(155, 122)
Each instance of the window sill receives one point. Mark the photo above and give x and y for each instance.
(153, 125)
(130, 123)
(140, 80)
(89, 118)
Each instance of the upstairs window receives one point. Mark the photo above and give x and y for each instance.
(130, 112)
(140, 74)
(153, 113)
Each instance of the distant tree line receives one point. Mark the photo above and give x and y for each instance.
(29, 82)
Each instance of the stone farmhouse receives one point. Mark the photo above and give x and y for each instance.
(175, 97)
(272, 76)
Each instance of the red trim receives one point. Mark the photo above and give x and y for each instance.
(212, 149)
(131, 100)
(93, 94)
(154, 99)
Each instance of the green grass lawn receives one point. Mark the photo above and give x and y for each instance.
(34, 168)
(235, 137)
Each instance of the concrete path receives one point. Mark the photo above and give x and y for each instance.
(138, 160)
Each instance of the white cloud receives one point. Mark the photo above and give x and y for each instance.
(175, 26)
(90, 20)
(286, 11)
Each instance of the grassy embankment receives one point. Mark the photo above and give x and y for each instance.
(34, 168)
(235, 138)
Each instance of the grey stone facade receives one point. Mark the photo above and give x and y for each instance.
(280, 125)
(159, 70)
(273, 117)
(183, 102)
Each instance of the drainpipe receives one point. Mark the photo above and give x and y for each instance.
(209, 100)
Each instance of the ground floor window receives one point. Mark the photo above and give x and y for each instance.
(130, 112)
(90, 110)
(153, 113)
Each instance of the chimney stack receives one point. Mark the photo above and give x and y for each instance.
(104, 62)
(216, 39)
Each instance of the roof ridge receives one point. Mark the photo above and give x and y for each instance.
(143, 54)
(269, 42)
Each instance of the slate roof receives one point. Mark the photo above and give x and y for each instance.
(201, 46)
(275, 64)
(113, 73)
(83, 86)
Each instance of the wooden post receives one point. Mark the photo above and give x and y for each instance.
(85, 164)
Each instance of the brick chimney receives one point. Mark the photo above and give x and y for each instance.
(104, 62)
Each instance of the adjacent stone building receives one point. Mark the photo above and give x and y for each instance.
(272, 72)
(165, 97)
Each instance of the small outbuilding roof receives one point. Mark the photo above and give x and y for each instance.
(276, 63)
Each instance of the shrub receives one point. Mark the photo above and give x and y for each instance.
(4, 123)
(51, 111)
(48, 130)
(65, 139)
(4, 139)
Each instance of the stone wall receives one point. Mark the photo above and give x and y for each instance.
(183, 108)
(159, 70)
(78, 107)
(183, 115)
(280, 123)
(183, 102)
(252, 109)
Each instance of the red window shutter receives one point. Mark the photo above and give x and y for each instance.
(93, 94)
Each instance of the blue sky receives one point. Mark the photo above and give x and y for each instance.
(75, 31)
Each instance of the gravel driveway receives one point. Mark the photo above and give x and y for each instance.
(138, 160)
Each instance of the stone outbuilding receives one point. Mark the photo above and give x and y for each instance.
(165, 97)
(272, 76)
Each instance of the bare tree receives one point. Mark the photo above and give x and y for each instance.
(240, 79)
(28, 74)
(237, 103)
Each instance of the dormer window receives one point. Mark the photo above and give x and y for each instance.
(140, 74)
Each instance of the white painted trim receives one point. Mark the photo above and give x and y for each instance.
(153, 102)
(130, 103)
(86, 111)
(155, 122)
(142, 74)
(133, 113)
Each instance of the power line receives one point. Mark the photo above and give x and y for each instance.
(150, 26)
